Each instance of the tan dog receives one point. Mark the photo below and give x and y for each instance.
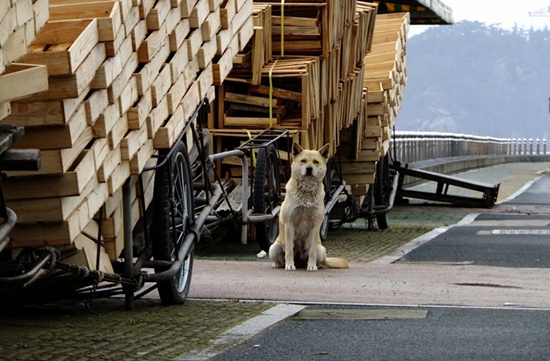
(302, 214)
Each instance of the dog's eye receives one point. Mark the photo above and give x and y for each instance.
(304, 161)
(316, 162)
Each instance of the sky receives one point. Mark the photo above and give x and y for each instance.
(496, 12)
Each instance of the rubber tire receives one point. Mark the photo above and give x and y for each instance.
(266, 194)
(173, 190)
(381, 190)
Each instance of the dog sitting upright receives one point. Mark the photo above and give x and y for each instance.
(302, 212)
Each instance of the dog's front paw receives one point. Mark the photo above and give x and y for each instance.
(290, 267)
(312, 268)
(277, 265)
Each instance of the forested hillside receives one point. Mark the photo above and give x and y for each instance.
(477, 79)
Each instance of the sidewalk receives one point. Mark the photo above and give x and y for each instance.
(105, 331)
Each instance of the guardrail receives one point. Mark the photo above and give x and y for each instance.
(412, 147)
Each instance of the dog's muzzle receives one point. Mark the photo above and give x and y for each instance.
(309, 171)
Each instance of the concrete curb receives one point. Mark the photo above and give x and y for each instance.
(243, 332)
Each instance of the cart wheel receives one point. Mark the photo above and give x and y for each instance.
(327, 182)
(266, 194)
(172, 217)
(382, 190)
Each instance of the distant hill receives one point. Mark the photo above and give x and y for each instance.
(474, 79)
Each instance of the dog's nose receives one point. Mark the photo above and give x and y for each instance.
(309, 171)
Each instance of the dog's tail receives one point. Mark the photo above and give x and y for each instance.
(335, 262)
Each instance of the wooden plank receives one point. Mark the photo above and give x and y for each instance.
(107, 72)
(157, 15)
(55, 209)
(55, 137)
(206, 53)
(132, 142)
(117, 133)
(119, 84)
(72, 86)
(194, 42)
(176, 93)
(95, 104)
(161, 85)
(106, 120)
(128, 96)
(156, 118)
(138, 163)
(54, 112)
(107, 13)
(139, 112)
(113, 158)
(167, 134)
(152, 44)
(187, 7)
(198, 14)
(118, 177)
(63, 45)
(222, 67)
(35, 78)
(147, 75)
(211, 25)
(71, 183)
(58, 161)
(179, 34)
(206, 80)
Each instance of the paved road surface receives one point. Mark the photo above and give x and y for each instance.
(477, 291)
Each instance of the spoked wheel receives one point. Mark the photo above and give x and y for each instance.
(173, 215)
(266, 194)
(327, 183)
(382, 190)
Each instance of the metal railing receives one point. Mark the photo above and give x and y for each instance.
(410, 146)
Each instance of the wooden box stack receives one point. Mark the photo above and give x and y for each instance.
(124, 77)
(312, 80)
(20, 20)
(385, 75)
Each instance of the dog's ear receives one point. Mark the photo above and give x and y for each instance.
(325, 151)
(296, 149)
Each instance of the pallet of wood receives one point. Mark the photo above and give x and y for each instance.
(19, 22)
(124, 78)
(384, 79)
(311, 81)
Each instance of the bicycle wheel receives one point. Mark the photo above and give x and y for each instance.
(266, 194)
(173, 215)
(327, 183)
(382, 190)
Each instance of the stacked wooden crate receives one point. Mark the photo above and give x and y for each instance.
(124, 77)
(311, 77)
(385, 75)
(20, 20)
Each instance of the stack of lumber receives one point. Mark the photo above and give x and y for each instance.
(124, 78)
(304, 70)
(20, 20)
(385, 75)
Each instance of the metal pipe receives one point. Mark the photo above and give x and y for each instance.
(43, 259)
(392, 196)
(128, 241)
(330, 204)
(252, 218)
(244, 208)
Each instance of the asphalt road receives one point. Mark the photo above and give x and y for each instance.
(477, 291)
